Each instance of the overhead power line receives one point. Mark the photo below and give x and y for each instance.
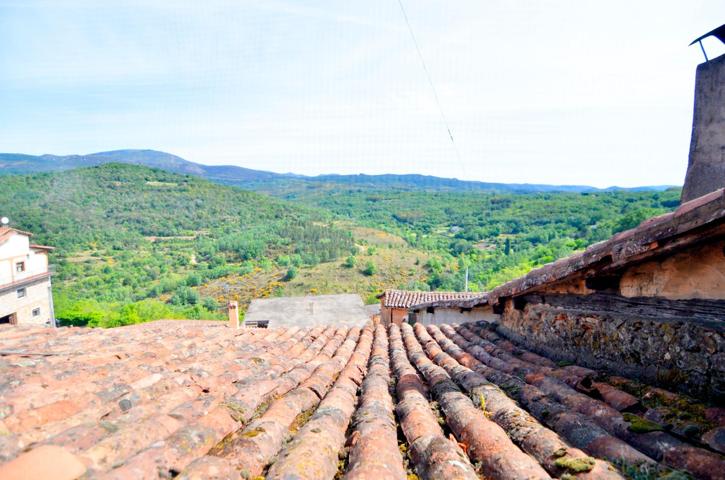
(432, 85)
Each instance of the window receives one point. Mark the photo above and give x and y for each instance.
(20, 267)
(21, 292)
(36, 312)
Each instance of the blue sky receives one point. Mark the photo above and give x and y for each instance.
(561, 92)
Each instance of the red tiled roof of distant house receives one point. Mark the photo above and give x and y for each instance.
(197, 399)
(466, 302)
(407, 299)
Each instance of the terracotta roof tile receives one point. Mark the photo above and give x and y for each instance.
(194, 400)
(407, 298)
(46, 461)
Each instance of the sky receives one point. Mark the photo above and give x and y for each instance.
(550, 91)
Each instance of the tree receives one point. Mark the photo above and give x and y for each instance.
(291, 273)
(185, 296)
(210, 304)
(350, 262)
(370, 269)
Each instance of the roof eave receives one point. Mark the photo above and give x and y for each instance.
(624, 248)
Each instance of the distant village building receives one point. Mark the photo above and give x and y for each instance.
(25, 289)
(345, 309)
(452, 312)
(395, 305)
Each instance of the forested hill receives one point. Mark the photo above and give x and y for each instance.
(498, 236)
(135, 243)
(125, 233)
(270, 182)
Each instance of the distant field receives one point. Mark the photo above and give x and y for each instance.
(396, 265)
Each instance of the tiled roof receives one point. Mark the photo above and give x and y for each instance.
(694, 221)
(196, 400)
(407, 298)
(468, 302)
(6, 232)
(342, 309)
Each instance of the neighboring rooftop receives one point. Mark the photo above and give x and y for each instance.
(407, 298)
(694, 222)
(6, 232)
(467, 302)
(195, 399)
(345, 309)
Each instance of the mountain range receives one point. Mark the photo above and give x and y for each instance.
(16, 163)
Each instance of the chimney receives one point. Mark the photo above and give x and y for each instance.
(233, 314)
(706, 166)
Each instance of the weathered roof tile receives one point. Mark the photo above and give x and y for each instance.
(194, 400)
(407, 299)
(46, 461)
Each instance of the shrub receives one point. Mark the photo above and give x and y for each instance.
(210, 304)
(185, 296)
(291, 273)
(370, 269)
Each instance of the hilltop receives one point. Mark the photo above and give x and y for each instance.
(271, 182)
(17, 163)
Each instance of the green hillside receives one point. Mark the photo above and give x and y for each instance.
(135, 243)
(498, 236)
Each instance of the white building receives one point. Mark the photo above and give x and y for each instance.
(25, 290)
(454, 311)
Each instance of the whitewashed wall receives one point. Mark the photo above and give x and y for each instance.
(17, 249)
(37, 296)
(443, 315)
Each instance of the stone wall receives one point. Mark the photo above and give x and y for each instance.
(706, 168)
(677, 345)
